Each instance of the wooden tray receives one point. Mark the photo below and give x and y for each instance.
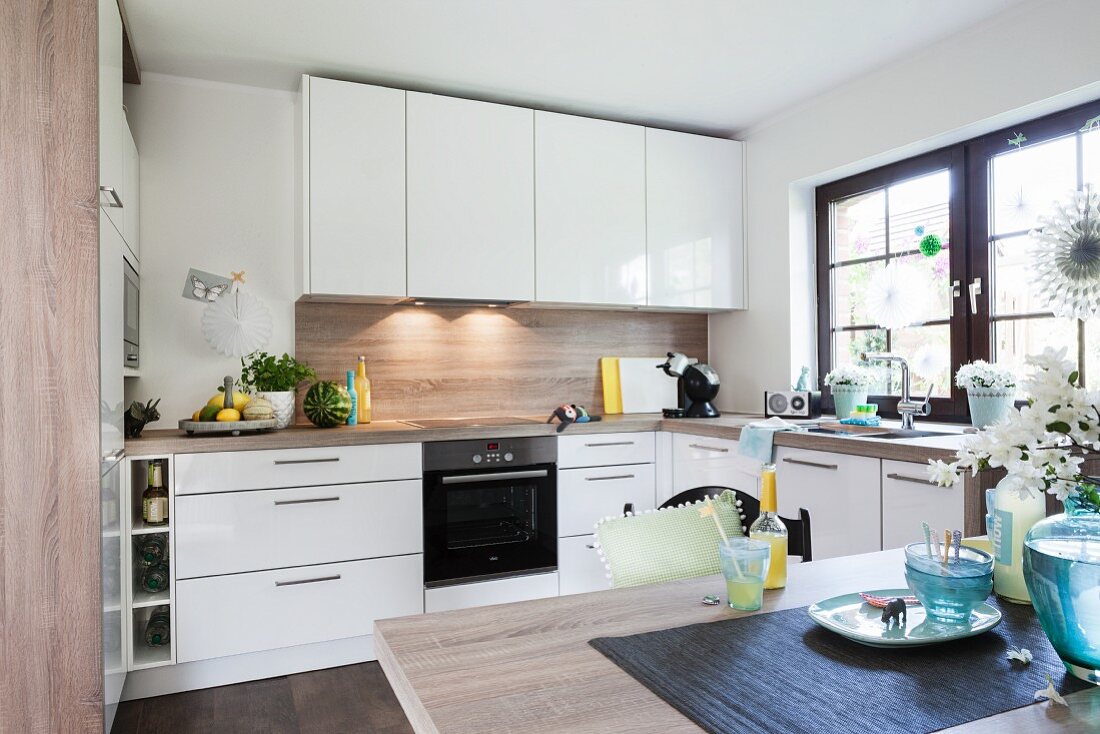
(855, 429)
(234, 428)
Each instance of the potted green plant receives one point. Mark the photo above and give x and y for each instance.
(277, 380)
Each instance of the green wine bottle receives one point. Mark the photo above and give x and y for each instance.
(158, 631)
(152, 549)
(155, 578)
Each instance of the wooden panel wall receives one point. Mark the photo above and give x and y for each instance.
(427, 362)
(50, 608)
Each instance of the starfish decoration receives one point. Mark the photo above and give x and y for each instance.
(1019, 140)
(238, 276)
(1090, 124)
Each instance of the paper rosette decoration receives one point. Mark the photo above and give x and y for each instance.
(237, 324)
(930, 361)
(896, 296)
(1066, 256)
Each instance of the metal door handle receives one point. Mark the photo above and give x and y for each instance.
(955, 292)
(975, 289)
(308, 581)
(117, 203)
(915, 480)
(701, 447)
(610, 443)
(801, 462)
(606, 479)
(496, 477)
(284, 462)
(589, 546)
(279, 503)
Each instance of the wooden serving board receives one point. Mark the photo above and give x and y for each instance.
(856, 429)
(234, 428)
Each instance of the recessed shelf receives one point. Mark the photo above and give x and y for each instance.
(145, 599)
(131, 372)
(143, 528)
(150, 657)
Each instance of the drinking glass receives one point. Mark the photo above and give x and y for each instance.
(744, 564)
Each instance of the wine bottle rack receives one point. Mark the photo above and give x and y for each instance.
(141, 604)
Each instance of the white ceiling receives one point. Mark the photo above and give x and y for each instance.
(707, 66)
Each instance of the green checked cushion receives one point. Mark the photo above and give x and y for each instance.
(665, 545)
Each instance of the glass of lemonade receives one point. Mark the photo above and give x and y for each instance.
(744, 564)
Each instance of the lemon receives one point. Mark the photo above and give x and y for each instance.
(228, 414)
(240, 400)
(197, 415)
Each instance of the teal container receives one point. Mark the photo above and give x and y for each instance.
(846, 398)
(949, 592)
(989, 405)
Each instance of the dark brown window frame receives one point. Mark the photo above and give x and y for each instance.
(969, 163)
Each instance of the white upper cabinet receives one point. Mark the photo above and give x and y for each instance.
(471, 199)
(131, 222)
(589, 211)
(354, 168)
(111, 120)
(695, 238)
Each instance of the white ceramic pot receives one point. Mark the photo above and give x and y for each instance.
(989, 404)
(846, 398)
(282, 404)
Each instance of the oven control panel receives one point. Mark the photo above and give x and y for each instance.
(450, 455)
(493, 454)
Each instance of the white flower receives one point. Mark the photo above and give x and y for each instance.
(1020, 653)
(942, 473)
(1050, 693)
(980, 373)
(850, 374)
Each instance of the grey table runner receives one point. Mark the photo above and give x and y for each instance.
(780, 672)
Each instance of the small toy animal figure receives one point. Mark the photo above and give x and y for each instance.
(571, 414)
(894, 612)
(138, 415)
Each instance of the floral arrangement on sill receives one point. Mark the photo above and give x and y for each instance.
(850, 375)
(990, 391)
(1043, 445)
(982, 374)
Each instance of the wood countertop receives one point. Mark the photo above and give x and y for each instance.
(528, 666)
(168, 441)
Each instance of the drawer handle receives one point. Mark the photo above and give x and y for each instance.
(607, 479)
(915, 480)
(283, 462)
(306, 502)
(801, 462)
(590, 546)
(715, 449)
(308, 581)
(609, 443)
(116, 202)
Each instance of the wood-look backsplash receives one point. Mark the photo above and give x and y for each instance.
(435, 362)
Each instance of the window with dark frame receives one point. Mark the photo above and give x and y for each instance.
(980, 199)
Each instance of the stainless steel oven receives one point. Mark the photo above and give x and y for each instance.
(490, 509)
(131, 309)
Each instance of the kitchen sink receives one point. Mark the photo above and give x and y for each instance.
(886, 434)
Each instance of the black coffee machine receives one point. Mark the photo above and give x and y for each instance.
(698, 386)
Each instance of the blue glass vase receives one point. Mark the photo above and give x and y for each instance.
(1062, 572)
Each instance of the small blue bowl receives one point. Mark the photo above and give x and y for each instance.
(949, 592)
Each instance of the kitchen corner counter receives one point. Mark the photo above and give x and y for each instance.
(169, 441)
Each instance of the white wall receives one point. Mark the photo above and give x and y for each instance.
(217, 194)
(1033, 59)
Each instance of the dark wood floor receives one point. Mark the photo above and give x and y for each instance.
(355, 698)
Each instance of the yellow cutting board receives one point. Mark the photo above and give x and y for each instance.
(612, 390)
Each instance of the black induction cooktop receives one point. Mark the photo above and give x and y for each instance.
(492, 421)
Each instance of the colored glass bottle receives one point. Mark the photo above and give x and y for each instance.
(1012, 517)
(362, 391)
(154, 500)
(158, 631)
(353, 415)
(152, 549)
(769, 529)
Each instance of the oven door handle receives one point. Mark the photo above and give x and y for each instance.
(495, 476)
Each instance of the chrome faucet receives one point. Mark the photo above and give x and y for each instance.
(908, 409)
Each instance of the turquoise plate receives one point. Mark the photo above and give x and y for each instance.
(850, 616)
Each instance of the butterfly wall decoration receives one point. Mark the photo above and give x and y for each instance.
(204, 287)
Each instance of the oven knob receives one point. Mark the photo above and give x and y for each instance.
(508, 457)
(477, 458)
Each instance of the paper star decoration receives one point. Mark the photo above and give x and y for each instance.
(238, 276)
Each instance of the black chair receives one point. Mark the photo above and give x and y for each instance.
(798, 531)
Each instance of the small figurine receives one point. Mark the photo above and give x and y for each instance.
(894, 612)
(803, 380)
(138, 415)
(567, 414)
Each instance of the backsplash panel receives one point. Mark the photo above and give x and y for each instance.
(431, 362)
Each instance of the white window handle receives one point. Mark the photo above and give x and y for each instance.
(955, 292)
(975, 289)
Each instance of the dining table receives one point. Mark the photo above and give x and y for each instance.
(528, 666)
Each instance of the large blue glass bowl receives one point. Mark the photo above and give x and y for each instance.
(949, 592)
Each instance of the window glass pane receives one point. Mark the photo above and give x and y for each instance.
(935, 274)
(848, 345)
(1026, 182)
(919, 207)
(1011, 270)
(1014, 339)
(928, 351)
(849, 291)
(1091, 141)
(859, 226)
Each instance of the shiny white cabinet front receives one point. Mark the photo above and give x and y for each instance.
(694, 221)
(232, 532)
(701, 461)
(580, 567)
(908, 499)
(248, 612)
(471, 199)
(111, 119)
(112, 251)
(589, 211)
(588, 495)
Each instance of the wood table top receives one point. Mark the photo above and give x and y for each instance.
(528, 666)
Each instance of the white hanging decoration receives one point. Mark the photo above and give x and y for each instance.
(896, 296)
(237, 323)
(1065, 256)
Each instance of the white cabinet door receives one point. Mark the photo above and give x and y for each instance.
(580, 568)
(589, 210)
(111, 390)
(700, 461)
(605, 449)
(355, 159)
(131, 228)
(587, 495)
(908, 499)
(695, 236)
(842, 494)
(111, 120)
(471, 199)
(497, 591)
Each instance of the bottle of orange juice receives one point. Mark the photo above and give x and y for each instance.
(770, 529)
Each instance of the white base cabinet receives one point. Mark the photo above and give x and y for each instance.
(908, 499)
(580, 566)
(497, 591)
(700, 461)
(588, 495)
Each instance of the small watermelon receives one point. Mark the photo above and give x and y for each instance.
(327, 404)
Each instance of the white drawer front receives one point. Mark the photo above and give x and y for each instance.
(908, 499)
(842, 494)
(605, 449)
(586, 495)
(230, 615)
(230, 471)
(580, 568)
(233, 532)
(711, 462)
(484, 593)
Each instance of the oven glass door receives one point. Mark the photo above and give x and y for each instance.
(484, 524)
